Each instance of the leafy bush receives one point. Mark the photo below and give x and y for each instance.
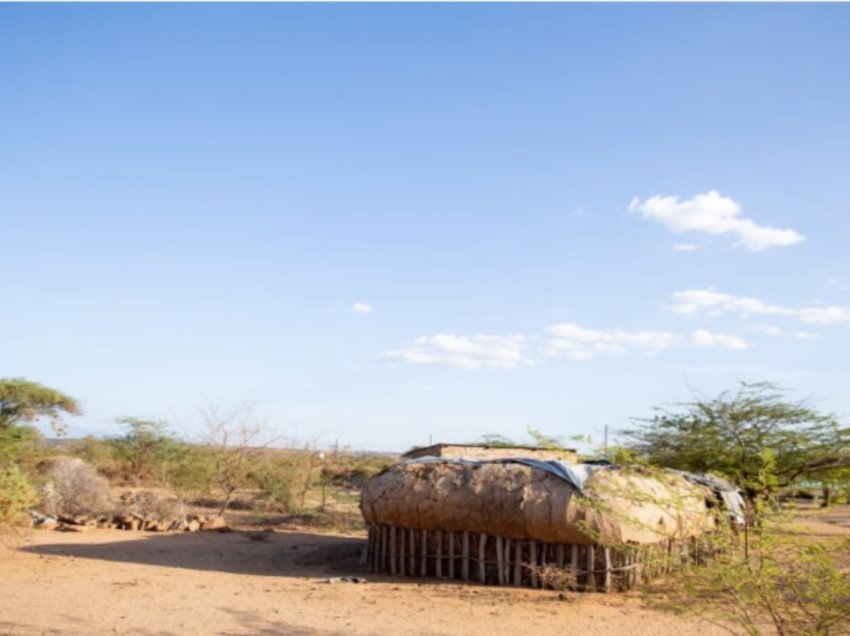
(276, 477)
(772, 582)
(75, 488)
(17, 495)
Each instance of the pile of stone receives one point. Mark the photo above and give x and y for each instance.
(131, 521)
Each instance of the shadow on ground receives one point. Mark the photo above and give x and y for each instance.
(290, 554)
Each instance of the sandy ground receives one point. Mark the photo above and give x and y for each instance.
(109, 581)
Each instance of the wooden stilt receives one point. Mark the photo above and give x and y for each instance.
(402, 550)
(371, 548)
(482, 555)
(500, 559)
(383, 566)
(412, 536)
(423, 571)
(438, 568)
(518, 562)
(591, 568)
(451, 555)
(574, 564)
(464, 564)
(392, 550)
(607, 555)
(532, 561)
(507, 575)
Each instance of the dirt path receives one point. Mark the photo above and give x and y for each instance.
(103, 582)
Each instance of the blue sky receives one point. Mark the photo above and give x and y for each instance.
(558, 215)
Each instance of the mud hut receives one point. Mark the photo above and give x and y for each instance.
(524, 521)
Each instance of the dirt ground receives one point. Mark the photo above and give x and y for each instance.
(110, 581)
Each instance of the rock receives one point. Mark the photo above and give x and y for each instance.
(193, 526)
(346, 579)
(48, 523)
(213, 523)
(69, 527)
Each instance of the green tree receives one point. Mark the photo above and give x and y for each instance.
(145, 448)
(23, 401)
(755, 436)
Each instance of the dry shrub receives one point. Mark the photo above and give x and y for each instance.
(554, 578)
(154, 505)
(75, 488)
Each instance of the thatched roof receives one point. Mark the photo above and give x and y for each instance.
(526, 501)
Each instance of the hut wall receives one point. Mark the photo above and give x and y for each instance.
(516, 501)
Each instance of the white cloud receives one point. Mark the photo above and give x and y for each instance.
(705, 339)
(767, 329)
(362, 308)
(836, 283)
(773, 330)
(579, 211)
(465, 352)
(707, 302)
(712, 213)
(684, 247)
(804, 335)
(579, 343)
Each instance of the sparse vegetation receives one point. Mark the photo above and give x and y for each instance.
(772, 580)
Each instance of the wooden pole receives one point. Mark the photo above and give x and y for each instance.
(464, 564)
(518, 563)
(402, 550)
(438, 570)
(424, 561)
(392, 550)
(482, 555)
(507, 575)
(452, 555)
(500, 561)
(372, 548)
(591, 568)
(532, 561)
(574, 564)
(607, 554)
(385, 549)
(412, 534)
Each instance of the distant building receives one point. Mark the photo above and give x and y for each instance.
(486, 451)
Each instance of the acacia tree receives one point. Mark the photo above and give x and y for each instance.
(24, 401)
(755, 436)
(145, 447)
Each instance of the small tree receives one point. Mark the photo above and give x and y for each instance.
(233, 438)
(754, 436)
